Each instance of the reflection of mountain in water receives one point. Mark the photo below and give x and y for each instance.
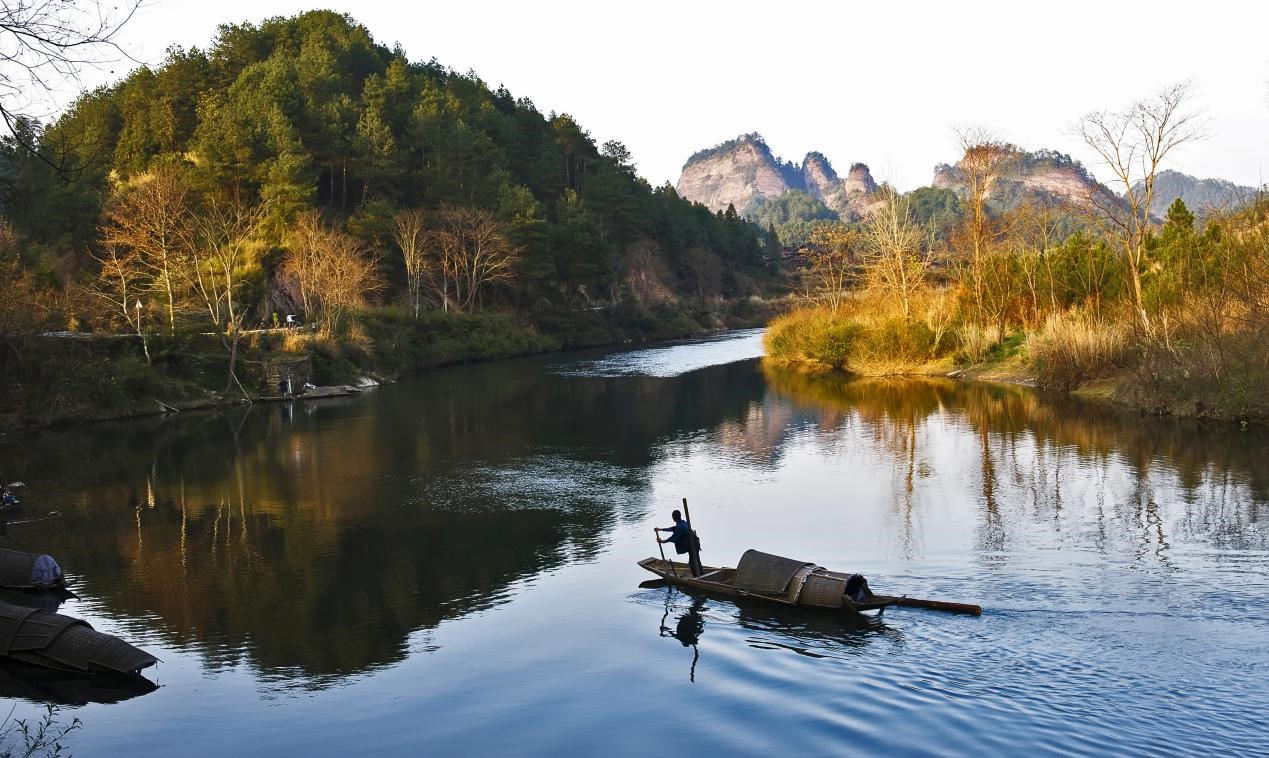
(318, 538)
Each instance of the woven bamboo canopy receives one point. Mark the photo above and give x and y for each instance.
(60, 642)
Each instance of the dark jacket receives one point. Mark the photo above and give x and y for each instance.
(681, 535)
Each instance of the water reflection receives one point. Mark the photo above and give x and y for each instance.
(311, 543)
(1038, 458)
(40, 685)
(316, 542)
(687, 629)
(806, 633)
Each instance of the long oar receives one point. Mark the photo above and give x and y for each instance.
(692, 552)
(662, 549)
(941, 605)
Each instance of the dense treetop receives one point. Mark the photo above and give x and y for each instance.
(310, 112)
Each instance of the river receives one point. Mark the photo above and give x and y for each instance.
(447, 565)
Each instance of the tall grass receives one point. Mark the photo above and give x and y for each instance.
(867, 337)
(1074, 347)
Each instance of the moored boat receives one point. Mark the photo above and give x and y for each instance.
(51, 640)
(786, 581)
(29, 571)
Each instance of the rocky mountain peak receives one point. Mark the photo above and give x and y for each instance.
(859, 180)
(818, 175)
(741, 172)
(1043, 176)
(745, 173)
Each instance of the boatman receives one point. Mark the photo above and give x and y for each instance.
(681, 535)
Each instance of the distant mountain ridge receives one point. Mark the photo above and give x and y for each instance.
(1199, 195)
(744, 173)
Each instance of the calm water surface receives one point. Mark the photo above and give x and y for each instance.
(448, 565)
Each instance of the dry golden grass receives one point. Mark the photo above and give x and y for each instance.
(297, 340)
(1074, 347)
(866, 336)
(975, 340)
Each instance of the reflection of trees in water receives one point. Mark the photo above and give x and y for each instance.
(316, 539)
(1043, 460)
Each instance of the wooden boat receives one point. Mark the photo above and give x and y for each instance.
(29, 571)
(51, 640)
(791, 582)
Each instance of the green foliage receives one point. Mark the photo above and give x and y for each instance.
(402, 343)
(937, 209)
(753, 138)
(813, 336)
(310, 112)
(1010, 346)
(792, 216)
(27, 739)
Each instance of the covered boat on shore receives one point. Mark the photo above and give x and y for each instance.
(791, 582)
(51, 640)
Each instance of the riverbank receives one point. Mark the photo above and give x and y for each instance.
(58, 380)
(1101, 361)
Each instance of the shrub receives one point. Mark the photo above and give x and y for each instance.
(974, 341)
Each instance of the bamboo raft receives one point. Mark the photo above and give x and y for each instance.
(789, 582)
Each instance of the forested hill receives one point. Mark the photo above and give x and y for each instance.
(310, 112)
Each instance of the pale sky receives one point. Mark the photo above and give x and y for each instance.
(882, 83)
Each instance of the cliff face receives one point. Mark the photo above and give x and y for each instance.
(860, 180)
(743, 172)
(1045, 177)
(818, 176)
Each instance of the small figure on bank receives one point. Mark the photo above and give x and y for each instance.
(681, 535)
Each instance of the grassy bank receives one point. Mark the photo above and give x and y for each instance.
(72, 378)
(1173, 319)
(1184, 368)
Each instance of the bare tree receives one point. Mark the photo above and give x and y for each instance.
(44, 44)
(152, 219)
(645, 273)
(1133, 143)
(985, 160)
(335, 270)
(350, 274)
(121, 282)
(226, 233)
(831, 257)
(23, 304)
(1035, 235)
(306, 243)
(410, 233)
(470, 251)
(893, 251)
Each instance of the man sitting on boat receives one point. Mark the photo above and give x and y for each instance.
(681, 535)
